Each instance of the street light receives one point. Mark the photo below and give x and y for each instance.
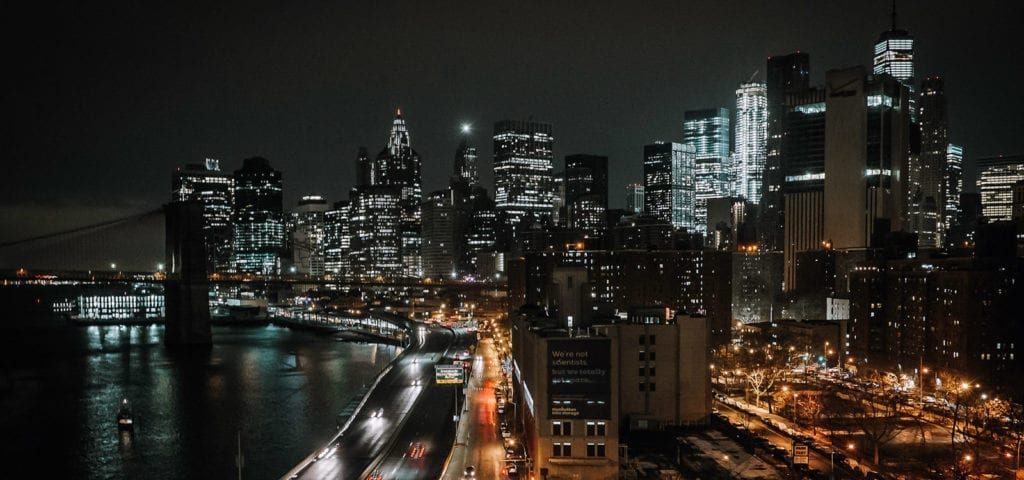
(794, 406)
(785, 393)
(920, 384)
(832, 464)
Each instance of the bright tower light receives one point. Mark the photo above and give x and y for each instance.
(465, 128)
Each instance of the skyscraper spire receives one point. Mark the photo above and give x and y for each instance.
(399, 139)
(398, 166)
(894, 14)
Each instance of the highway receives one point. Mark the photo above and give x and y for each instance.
(404, 428)
(479, 443)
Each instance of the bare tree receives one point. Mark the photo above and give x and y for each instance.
(811, 406)
(879, 417)
(757, 361)
(761, 380)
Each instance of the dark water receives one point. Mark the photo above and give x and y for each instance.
(60, 388)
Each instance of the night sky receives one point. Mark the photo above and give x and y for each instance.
(103, 99)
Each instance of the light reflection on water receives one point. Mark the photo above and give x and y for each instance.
(281, 389)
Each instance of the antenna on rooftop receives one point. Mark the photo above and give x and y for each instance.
(894, 14)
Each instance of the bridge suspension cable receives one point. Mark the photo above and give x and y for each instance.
(85, 228)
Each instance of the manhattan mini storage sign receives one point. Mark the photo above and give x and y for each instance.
(579, 371)
(448, 374)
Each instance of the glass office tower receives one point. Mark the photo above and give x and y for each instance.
(707, 132)
(258, 220)
(751, 138)
(669, 186)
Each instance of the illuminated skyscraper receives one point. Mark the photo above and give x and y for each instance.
(894, 55)
(669, 187)
(586, 192)
(443, 222)
(802, 151)
(215, 189)
(398, 165)
(466, 164)
(337, 241)
(751, 138)
(707, 131)
(375, 214)
(307, 236)
(384, 225)
(866, 147)
(523, 168)
(785, 74)
(927, 210)
(258, 220)
(481, 230)
(952, 186)
(635, 198)
(996, 177)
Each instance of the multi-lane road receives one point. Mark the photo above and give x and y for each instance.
(479, 443)
(405, 426)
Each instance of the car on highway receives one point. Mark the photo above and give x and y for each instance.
(470, 472)
(378, 413)
(416, 450)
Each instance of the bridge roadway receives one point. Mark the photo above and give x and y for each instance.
(404, 427)
(119, 276)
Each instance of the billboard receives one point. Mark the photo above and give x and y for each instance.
(579, 376)
(448, 374)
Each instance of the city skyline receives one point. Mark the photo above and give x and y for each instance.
(308, 114)
(220, 258)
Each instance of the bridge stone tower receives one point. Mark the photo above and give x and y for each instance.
(186, 288)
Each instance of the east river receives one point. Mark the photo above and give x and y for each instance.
(275, 389)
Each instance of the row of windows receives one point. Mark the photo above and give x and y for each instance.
(646, 371)
(564, 428)
(564, 449)
(647, 339)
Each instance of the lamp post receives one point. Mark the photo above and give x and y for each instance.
(785, 393)
(824, 352)
(832, 464)
(921, 371)
(794, 406)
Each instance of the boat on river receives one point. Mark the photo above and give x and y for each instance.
(125, 418)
